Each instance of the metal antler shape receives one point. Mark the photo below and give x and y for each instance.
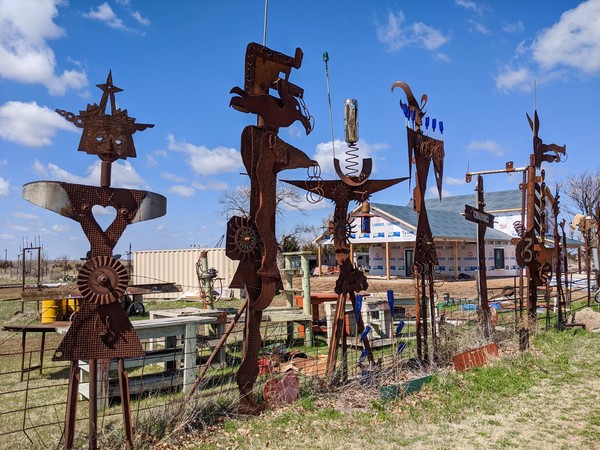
(541, 150)
(422, 150)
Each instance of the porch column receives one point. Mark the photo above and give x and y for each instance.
(387, 260)
(320, 256)
(455, 250)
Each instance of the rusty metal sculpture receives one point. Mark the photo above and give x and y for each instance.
(422, 151)
(352, 186)
(542, 151)
(351, 279)
(100, 330)
(531, 252)
(560, 262)
(251, 240)
(483, 221)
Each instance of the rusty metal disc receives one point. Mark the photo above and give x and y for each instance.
(243, 239)
(102, 280)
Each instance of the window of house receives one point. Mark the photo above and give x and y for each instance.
(498, 258)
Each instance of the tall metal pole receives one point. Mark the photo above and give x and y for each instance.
(265, 23)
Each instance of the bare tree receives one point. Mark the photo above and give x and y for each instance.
(300, 237)
(583, 189)
(62, 262)
(236, 202)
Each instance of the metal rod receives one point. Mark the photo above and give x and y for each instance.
(217, 349)
(93, 405)
(71, 413)
(125, 405)
(265, 23)
(336, 334)
(329, 101)
(488, 172)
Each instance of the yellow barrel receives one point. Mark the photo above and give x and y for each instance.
(49, 310)
(63, 310)
(73, 305)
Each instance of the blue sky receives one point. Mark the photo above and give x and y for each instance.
(177, 61)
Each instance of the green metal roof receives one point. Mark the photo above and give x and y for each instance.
(494, 201)
(444, 224)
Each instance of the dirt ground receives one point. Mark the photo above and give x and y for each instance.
(405, 287)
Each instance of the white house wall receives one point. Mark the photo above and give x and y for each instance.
(505, 223)
(381, 230)
(466, 262)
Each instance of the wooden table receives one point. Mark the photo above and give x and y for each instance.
(167, 328)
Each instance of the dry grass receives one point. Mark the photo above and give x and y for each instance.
(518, 401)
(544, 398)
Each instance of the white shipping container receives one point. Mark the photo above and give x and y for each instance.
(179, 267)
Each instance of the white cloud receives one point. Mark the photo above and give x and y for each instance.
(25, 57)
(454, 181)
(29, 124)
(4, 187)
(22, 215)
(479, 27)
(6, 236)
(211, 186)
(396, 34)
(469, 4)
(172, 177)
(205, 161)
(57, 228)
(439, 56)
(16, 227)
(324, 155)
(574, 41)
(182, 191)
(105, 14)
(152, 159)
(432, 192)
(305, 205)
(123, 174)
(487, 146)
(514, 79)
(571, 44)
(139, 19)
(39, 168)
(513, 27)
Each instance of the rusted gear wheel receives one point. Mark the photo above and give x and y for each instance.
(243, 239)
(246, 239)
(342, 231)
(426, 247)
(102, 280)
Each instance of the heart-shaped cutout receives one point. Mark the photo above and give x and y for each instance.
(104, 216)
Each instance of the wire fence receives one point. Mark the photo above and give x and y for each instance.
(33, 388)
